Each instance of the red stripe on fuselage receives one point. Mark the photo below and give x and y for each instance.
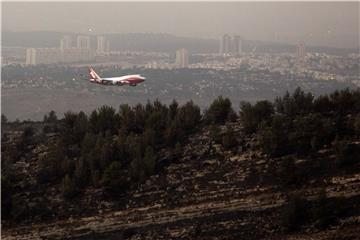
(134, 80)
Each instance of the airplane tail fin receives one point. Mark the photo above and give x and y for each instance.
(93, 75)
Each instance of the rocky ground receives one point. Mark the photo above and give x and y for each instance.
(205, 193)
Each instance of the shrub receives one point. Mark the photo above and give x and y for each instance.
(310, 132)
(295, 213)
(215, 134)
(188, 117)
(114, 179)
(251, 116)
(229, 139)
(357, 125)
(51, 118)
(347, 154)
(321, 211)
(219, 111)
(274, 138)
(68, 187)
(6, 197)
(287, 171)
(297, 103)
(149, 161)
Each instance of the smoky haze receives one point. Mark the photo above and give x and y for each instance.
(333, 24)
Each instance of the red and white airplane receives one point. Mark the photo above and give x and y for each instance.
(131, 80)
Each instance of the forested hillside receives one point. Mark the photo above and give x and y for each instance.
(288, 168)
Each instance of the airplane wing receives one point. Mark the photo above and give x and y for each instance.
(107, 81)
(114, 81)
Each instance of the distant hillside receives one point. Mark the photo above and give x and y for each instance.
(161, 43)
(155, 42)
(31, 39)
(132, 41)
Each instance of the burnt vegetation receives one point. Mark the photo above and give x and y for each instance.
(118, 150)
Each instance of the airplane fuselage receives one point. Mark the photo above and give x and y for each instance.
(131, 80)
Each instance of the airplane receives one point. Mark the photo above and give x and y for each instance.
(131, 80)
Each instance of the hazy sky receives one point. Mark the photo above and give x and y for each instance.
(321, 23)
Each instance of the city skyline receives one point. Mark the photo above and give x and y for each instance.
(316, 23)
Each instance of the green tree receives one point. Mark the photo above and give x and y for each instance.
(288, 172)
(297, 103)
(4, 119)
(149, 161)
(26, 140)
(229, 139)
(173, 133)
(357, 125)
(178, 151)
(150, 137)
(156, 121)
(215, 133)
(310, 132)
(107, 119)
(80, 127)
(137, 170)
(347, 154)
(322, 104)
(88, 143)
(81, 173)
(295, 213)
(140, 118)
(321, 211)
(127, 118)
(252, 116)
(219, 111)
(188, 117)
(68, 187)
(345, 101)
(274, 138)
(114, 179)
(68, 135)
(173, 108)
(51, 118)
(6, 197)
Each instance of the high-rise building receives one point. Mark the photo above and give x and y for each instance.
(230, 46)
(225, 44)
(83, 42)
(66, 42)
(36, 56)
(300, 51)
(236, 46)
(77, 55)
(182, 58)
(101, 45)
(30, 58)
(107, 48)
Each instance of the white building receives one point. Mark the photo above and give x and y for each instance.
(182, 58)
(103, 45)
(36, 56)
(66, 42)
(30, 58)
(236, 46)
(300, 51)
(230, 45)
(77, 55)
(225, 44)
(83, 42)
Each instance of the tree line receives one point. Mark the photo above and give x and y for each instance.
(119, 149)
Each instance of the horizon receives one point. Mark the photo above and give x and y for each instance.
(175, 35)
(333, 24)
